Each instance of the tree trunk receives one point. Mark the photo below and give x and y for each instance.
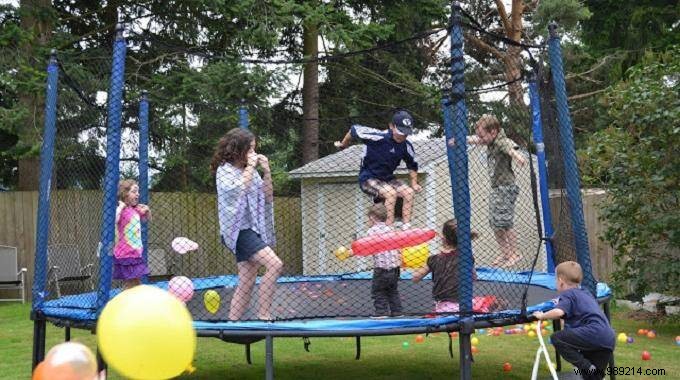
(34, 21)
(310, 95)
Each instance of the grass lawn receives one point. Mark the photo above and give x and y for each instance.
(381, 358)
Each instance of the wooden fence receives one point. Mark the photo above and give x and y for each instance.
(194, 215)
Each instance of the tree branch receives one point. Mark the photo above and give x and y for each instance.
(504, 17)
(481, 45)
(587, 94)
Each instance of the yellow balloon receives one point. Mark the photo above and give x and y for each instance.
(342, 253)
(211, 300)
(415, 257)
(146, 333)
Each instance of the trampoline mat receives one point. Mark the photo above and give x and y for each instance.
(351, 298)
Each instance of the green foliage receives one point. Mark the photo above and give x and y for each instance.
(567, 14)
(636, 157)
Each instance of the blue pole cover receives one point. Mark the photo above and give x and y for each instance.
(115, 108)
(46, 163)
(537, 126)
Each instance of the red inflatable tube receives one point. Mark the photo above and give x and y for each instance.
(392, 240)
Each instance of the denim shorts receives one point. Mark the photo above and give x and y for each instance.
(248, 243)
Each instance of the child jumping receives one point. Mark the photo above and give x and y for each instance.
(501, 151)
(588, 340)
(384, 152)
(444, 268)
(128, 264)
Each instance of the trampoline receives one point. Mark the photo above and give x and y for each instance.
(327, 295)
(319, 295)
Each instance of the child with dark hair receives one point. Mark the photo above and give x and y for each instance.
(588, 340)
(444, 268)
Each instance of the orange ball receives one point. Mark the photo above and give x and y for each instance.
(646, 355)
(39, 372)
(507, 367)
(641, 332)
(453, 334)
(420, 339)
(475, 349)
(651, 335)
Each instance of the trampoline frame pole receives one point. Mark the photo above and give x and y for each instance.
(39, 332)
(607, 313)
(144, 172)
(571, 172)
(112, 171)
(537, 132)
(467, 327)
(269, 357)
(243, 121)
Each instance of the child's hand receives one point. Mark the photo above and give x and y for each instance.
(264, 162)
(338, 144)
(416, 187)
(252, 159)
(142, 208)
(538, 315)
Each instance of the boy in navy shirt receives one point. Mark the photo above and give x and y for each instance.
(588, 340)
(383, 153)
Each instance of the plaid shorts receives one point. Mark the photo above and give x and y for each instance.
(502, 206)
(372, 187)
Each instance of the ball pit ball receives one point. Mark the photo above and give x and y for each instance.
(630, 340)
(420, 339)
(475, 349)
(642, 332)
(405, 344)
(453, 334)
(651, 334)
(531, 333)
(481, 331)
(507, 367)
(646, 355)
(622, 338)
(474, 341)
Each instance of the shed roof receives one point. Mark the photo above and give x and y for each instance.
(346, 162)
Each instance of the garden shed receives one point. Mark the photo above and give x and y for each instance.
(334, 208)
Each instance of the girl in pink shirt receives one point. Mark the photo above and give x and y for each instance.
(128, 263)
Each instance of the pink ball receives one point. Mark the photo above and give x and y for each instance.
(181, 287)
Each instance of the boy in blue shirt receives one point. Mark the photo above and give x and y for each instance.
(588, 340)
(383, 153)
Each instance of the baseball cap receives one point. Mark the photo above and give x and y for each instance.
(403, 121)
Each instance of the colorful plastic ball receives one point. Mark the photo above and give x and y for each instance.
(67, 361)
(544, 332)
(642, 332)
(545, 323)
(531, 334)
(405, 344)
(481, 331)
(646, 355)
(453, 334)
(630, 340)
(651, 335)
(474, 341)
(420, 339)
(622, 338)
(475, 349)
(507, 367)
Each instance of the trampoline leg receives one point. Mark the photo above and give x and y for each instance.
(607, 313)
(39, 328)
(248, 354)
(467, 328)
(67, 334)
(358, 343)
(557, 326)
(269, 357)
